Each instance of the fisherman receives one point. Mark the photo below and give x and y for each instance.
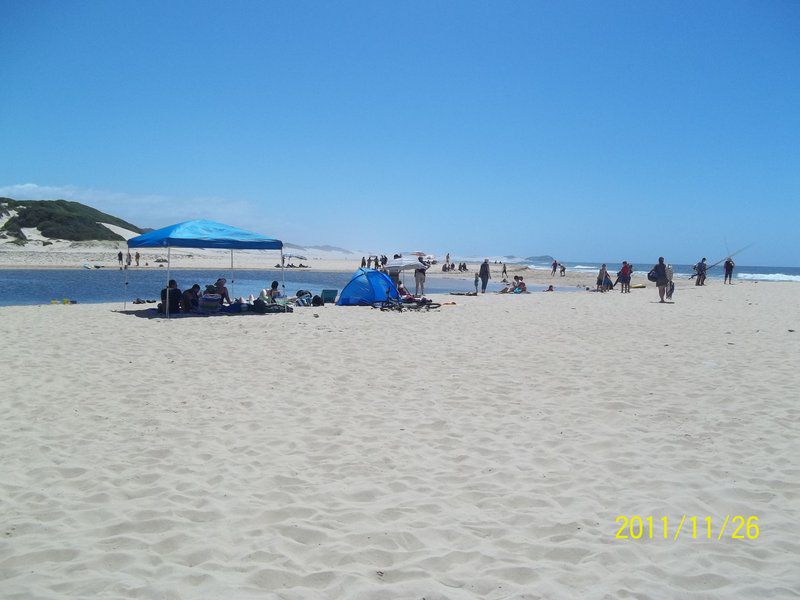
(700, 271)
(729, 265)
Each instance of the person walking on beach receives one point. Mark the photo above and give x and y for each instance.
(363, 262)
(555, 266)
(728, 266)
(419, 278)
(505, 272)
(137, 256)
(485, 275)
(128, 259)
(119, 258)
(660, 273)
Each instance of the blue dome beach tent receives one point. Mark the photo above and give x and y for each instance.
(204, 234)
(367, 287)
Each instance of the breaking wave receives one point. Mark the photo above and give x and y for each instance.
(768, 277)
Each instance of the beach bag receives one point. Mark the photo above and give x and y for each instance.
(304, 300)
(317, 301)
(651, 276)
(210, 303)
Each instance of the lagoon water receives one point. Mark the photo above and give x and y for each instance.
(41, 286)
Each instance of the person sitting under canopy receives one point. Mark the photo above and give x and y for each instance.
(270, 295)
(170, 298)
(190, 299)
(220, 289)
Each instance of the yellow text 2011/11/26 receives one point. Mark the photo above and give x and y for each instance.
(735, 527)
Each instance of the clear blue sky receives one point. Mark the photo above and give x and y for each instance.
(585, 130)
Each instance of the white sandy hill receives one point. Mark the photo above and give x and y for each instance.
(121, 231)
(4, 218)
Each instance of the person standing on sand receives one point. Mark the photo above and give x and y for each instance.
(137, 256)
(563, 269)
(555, 266)
(363, 262)
(728, 266)
(119, 258)
(477, 280)
(419, 278)
(601, 278)
(485, 275)
(505, 272)
(128, 259)
(624, 277)
(660, 271)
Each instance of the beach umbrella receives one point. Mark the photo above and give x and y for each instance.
(404, 262)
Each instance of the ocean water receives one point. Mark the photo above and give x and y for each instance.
(41, 286)
(740, 272)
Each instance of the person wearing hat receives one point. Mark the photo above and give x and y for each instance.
(728, 266)
(220, 289)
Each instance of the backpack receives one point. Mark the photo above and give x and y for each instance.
(317, 301)
(259, 306)
(652, 276)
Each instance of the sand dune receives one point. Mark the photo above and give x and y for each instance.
(480, 451)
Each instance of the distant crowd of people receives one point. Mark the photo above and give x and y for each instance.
(126, 260)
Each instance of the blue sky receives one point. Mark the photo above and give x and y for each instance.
(589, 131)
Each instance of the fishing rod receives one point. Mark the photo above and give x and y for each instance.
(730, 255)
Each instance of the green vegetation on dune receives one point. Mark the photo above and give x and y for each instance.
(61, 219)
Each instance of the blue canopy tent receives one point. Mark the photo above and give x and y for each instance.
(367, 287)
(204, 234)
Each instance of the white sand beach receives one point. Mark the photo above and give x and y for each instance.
(481, 451)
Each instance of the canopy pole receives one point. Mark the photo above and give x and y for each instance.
(283, 278)
(166, 293)
(233, 274)
(125, 297)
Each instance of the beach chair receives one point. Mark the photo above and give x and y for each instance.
(328, 296)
